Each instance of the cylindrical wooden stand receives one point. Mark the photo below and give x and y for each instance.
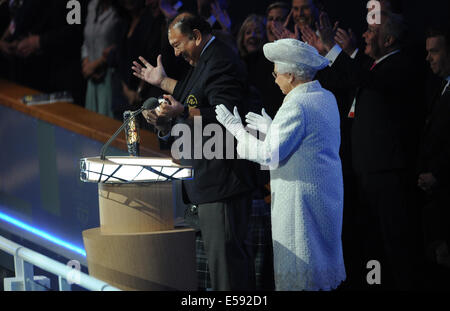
(136, 246)
(139, 207)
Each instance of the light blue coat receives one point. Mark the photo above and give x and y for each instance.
(302, 148)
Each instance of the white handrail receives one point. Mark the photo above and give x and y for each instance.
(52, 266)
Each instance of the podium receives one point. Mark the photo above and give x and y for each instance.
(136, 246)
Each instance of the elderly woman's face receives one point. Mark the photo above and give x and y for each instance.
(253, 37)
(283, 80)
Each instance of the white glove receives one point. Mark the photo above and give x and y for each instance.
(232, 123)
(258, 122)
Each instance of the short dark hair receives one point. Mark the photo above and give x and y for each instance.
(440, 30)
(278, 5)
(187, 22)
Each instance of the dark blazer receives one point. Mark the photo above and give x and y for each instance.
(388, 111)
(434, 155)
(218, 78)
(344, 93)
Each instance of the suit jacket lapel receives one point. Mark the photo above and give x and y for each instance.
(192, 80)
(367, 77)
(438, 101)
(436, 98)
(436, 95)
(197, 71)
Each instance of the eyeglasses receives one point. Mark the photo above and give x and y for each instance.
(275, 74)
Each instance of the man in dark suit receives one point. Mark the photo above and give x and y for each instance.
(434, 158)
(221, 188)
(386, 122)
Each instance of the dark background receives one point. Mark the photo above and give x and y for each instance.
(352, 13)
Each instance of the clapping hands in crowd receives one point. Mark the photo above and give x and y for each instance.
(221, 16)
(96, 69)
(22, 48)
(323, 38)
(346, 40)
(8, 48)
(281, 31)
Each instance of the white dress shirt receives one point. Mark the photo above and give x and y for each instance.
(446, 86)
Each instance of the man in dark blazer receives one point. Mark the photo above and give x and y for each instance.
(221, 188)
(434, 157)
(386, 121)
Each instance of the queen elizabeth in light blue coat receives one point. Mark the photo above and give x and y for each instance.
(301, 148)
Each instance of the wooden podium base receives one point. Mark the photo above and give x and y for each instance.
(135, 207)
(152, 261)
(136, 246)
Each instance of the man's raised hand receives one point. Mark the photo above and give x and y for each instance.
(149, 73)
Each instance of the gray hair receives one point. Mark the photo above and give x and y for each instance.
(394, 25)
(300, 71)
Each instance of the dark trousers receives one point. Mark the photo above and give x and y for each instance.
(352, 237)
(389, 220)
(225, 228)
(435, 217)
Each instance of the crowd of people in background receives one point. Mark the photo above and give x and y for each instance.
(393, 97)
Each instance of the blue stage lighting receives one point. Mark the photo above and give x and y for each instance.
(42, 234)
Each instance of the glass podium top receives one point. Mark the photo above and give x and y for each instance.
(132, 170)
